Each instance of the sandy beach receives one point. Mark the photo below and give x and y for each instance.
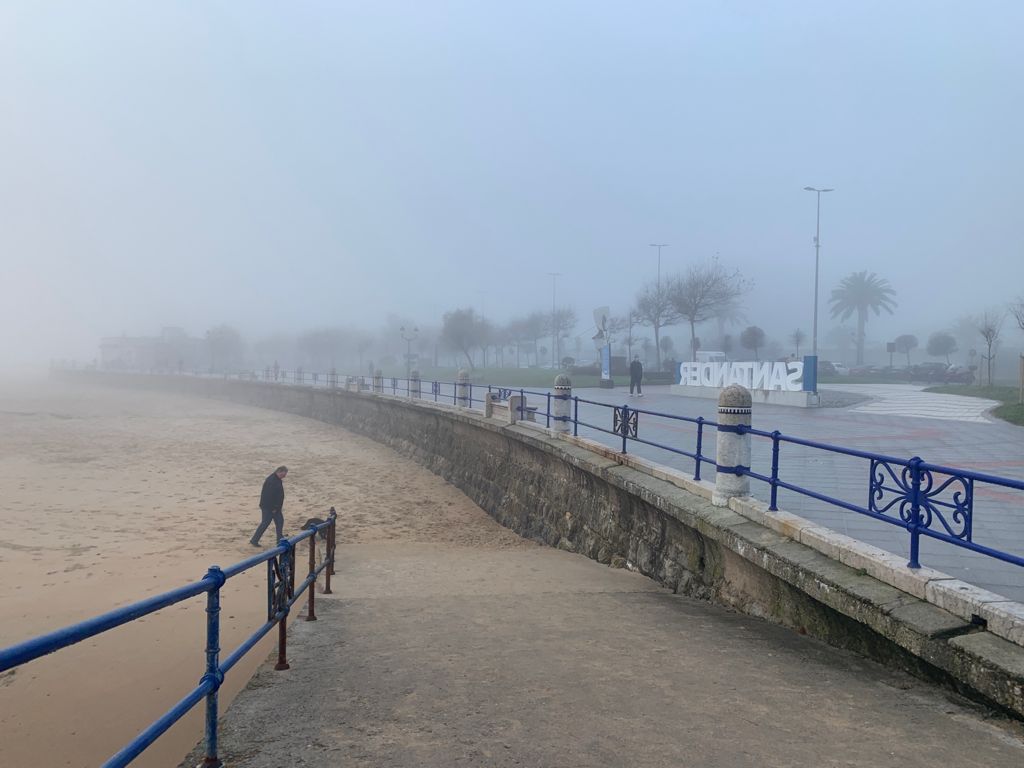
(111, 495)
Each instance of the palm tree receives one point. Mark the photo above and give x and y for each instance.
(858, 292)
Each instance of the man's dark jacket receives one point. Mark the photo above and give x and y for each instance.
(272, 497)
(636, 370)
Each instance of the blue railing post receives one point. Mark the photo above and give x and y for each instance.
(213, 674)
(698, 458)
(547, 422)
(775, 471)
(914, 525)
(522, 404)
(576, 416)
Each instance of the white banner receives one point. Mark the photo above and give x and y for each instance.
(763, 376)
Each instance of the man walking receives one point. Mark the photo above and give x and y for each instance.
(271, 503)
(636, 375)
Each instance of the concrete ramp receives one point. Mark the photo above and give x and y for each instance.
(434, 655)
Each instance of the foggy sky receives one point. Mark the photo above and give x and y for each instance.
(280, 166)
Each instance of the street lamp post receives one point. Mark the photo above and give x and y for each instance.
(409, 337)
(817, 262)
(554, 330)
(659, 246)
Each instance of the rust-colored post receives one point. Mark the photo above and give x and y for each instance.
(333, 540)
(311, 605)
(282, 645)
(329, 554)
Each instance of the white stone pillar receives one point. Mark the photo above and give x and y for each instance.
(462, 389)
(732, 447)
(561, 405)
(414, 384)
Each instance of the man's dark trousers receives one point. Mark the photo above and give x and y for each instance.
(268, 515)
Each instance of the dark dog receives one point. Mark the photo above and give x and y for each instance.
(314, 521)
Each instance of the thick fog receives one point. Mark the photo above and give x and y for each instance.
(286, 166)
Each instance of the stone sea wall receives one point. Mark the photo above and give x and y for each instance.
(623, 511)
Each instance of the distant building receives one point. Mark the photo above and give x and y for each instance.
(172, 350)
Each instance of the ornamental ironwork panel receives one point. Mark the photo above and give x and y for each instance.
(435, 387)
(504, 394)
(283, 567)
(945, 501)
(625, 421)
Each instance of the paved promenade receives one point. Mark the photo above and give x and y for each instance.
(954, 433)
(434, 655)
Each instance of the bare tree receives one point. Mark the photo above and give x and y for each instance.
(797, 337)
(560, 324)
(989, 325)
(704, 292)
(654, 307)
(535, 327)
(462, 331)
(1017, 310)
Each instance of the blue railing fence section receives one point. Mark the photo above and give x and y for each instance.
(926, 499)
(282, 594)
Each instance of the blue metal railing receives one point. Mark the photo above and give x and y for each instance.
(926, 499)
(281, 595)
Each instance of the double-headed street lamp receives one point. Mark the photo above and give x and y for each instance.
(409, 337)
(817, 261)
(659, 246)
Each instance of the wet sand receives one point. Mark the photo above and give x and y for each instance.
(112, 495)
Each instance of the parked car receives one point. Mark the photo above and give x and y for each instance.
(929, 373)
(840, 369)
(959, 374)
(825, 368)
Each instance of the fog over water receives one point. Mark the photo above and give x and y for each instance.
(286, 166)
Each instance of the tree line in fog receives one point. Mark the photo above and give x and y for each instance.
(670, 319)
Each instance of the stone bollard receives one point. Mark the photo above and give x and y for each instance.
(414, 384)
(378, 380)
(732, 447)
(561, 405)
(462, 398)
(515, 402)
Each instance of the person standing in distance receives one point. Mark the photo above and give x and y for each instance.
(636, 375)
(271, 504)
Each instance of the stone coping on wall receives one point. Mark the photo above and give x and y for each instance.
(997, 614)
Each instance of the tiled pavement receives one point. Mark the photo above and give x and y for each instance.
(911, 400)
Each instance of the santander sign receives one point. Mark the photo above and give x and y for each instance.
(764, 376)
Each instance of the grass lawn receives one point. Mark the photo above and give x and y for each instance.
(1011, 410)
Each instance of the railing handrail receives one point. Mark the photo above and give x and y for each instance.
(43, 645)
(215, 578)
